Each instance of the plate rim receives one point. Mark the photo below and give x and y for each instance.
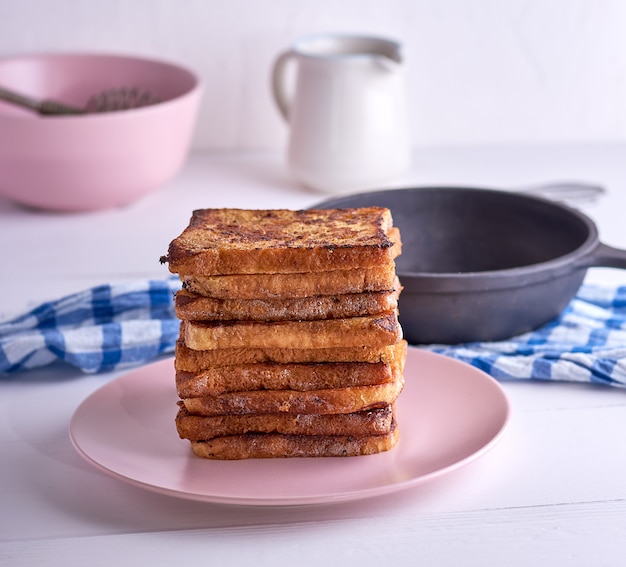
(301, 500)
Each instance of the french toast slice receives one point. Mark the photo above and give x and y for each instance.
(325, 401)
(274, 445)
(189, 360)
(218, 380)
(247, 241)
(371, 330)
(294, 285)
(202, 428)
(194, 307)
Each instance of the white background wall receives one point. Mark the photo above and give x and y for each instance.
(481, 72)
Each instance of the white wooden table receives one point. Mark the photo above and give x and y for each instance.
(551, 492)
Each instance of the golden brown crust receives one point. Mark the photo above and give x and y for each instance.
(302, 376)
(291, 286)
(262, 445)
(190, 360)
(336, 400)
(372, 331)
(238, 241)
(201, 428)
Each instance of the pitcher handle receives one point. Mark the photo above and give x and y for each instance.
(279, 83)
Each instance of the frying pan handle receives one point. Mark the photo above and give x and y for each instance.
(605, 256)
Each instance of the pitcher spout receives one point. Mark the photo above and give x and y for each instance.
(392, 59)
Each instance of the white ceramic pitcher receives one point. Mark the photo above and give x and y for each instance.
(347, 116)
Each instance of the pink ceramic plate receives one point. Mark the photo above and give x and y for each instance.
(449, 414)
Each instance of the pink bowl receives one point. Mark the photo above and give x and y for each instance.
(93, 161)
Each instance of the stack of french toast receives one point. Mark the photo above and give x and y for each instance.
(290, 344)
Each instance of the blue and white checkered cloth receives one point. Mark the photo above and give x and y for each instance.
(113, 327)
(109, 327)
(586, 343)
